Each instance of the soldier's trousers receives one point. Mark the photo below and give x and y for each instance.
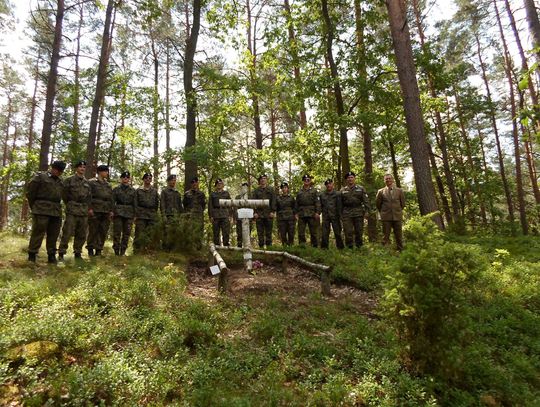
(121, 232)
(75, 226)
(264, 231)
(353, 228)
(286, 231)
(398, 234)
(142, 233)
(313, 224)
(98, 228)
(41, 225)
(223, 226)
(335, 224)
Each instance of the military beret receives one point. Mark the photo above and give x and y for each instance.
(261, 177)
(125, 174)
(194, 180)
(59, 165)
(283, 185)
(328, 181)
(218, 181)
(350, 174)
(245, 184)
(79, 163)
(146, 175)
(171, 177)
(306, 176)
(102, 167)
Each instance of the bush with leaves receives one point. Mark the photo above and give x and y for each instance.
(426, 299)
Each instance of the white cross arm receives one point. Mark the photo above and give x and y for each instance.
(244, 203)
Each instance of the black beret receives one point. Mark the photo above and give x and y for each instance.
(171, 177)
(261, 177)
(59, 165)
(146, 175)
(349, 174)
(306, 176)
(219, 180)
(194, 180)
(125, 174)
(79, 163)
(102, 167)
(283, 185)
(245, 184)
(328, 181)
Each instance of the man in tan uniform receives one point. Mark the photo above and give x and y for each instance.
(390, 202)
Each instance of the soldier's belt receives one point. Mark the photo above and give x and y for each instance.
(47, 200)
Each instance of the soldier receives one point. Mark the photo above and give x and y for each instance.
(264, 217)
(243, 195)
(285, 206)
(77, 197)
(355, 202)
(171, 206)
(219, 216)
(146, 208)
(308, 211)
(390, 202)
(194, 204)
(44, 194)
(124, 211)
(102, 211)
(331, 214)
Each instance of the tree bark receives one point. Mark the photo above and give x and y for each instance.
(52, 80)
(413, 112)
(252, 48)
(534, 28)
(155, 113)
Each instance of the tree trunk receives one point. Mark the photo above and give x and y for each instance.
(191, 97)
(155, 113)
(534, 28)
(440, 186)
(252, 48)
(515, 135)
(413, 112)
(168, 104)
(75, 140)
(51, 89)
(101, 85)
(500, 156)
(340, 109)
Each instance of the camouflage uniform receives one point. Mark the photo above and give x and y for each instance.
(170, 206)
(285, 205)
(355, 202)
(307, 205)
(331, 217)
(102, 206)
(220, 217)
(146, 208)
(77, 198)
(264, 222)
(194, 204)
(44, 193)
(124, 211)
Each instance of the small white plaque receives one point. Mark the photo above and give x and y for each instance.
(214, 270)
(247, 256)
(245, 213)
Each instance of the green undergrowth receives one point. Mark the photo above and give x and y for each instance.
(126, 331)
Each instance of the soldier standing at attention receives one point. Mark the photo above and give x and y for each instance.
(124, 211)
(171, 207)
(219, 216)
(242, 195)
(308, 211)
(355, 202)
(194, 204)
(77, 198)
(146, 207)
(102, 211)
(331, 214)
(285, 215)
(264, 217)
(390, 202)
(44, 194)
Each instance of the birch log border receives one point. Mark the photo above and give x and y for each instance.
(223, 282)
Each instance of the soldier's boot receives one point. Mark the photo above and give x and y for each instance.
(90, 252)
(117, 252)
(122, 252)
(60, 256)
(32, 257)
(98, 252)
(51, 258)
(78, 256)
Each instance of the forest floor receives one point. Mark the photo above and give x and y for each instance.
(152, 330)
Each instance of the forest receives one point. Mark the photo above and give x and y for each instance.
(443, 95)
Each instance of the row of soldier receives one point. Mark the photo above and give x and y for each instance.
(92, 204)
